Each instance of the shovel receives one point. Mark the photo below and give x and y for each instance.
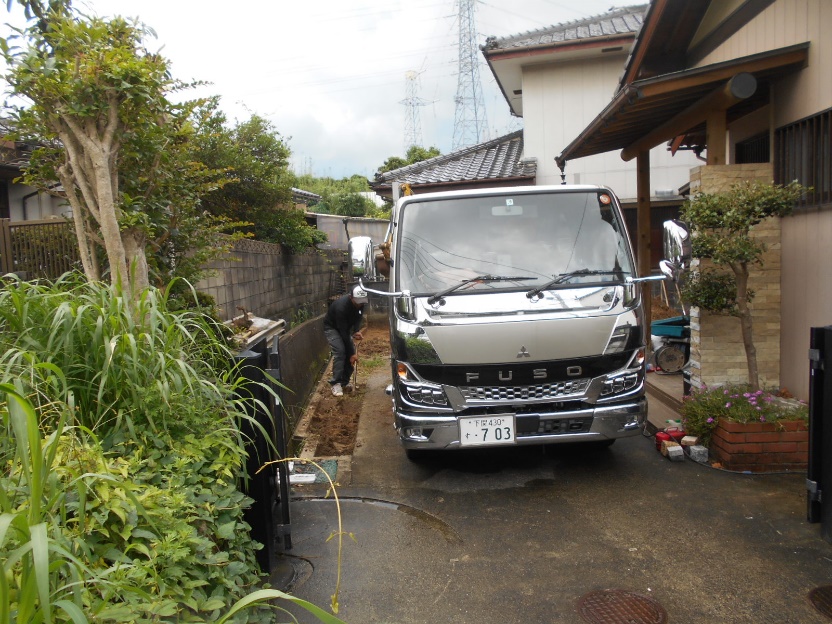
(355, 370)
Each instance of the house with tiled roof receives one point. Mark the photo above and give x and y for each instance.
(745, 83)
(499, 162)
(559, 78)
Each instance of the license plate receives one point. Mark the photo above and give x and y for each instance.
(486, 430)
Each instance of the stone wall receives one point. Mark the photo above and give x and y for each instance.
(304, 353)
(271, 283)
(717, 351)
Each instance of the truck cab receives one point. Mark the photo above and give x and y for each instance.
(516, 319)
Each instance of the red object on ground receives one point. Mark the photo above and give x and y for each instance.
(671, 433)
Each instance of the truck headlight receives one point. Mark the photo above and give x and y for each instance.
(623, 338)
(619, 384)
(417, 390)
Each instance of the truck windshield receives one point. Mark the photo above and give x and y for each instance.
(540, 236)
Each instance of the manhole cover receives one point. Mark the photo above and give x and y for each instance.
(618, 606)
(821, 599)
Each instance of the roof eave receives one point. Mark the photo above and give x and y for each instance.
(558, 46)
(660, 86)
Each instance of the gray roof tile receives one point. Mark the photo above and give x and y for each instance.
(614, 22)
(495, 159)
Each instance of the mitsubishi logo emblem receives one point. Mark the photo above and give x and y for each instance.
(523, 353)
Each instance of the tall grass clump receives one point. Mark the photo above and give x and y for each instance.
(121, 460)
(130, 366)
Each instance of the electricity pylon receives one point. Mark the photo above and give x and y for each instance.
(412, 121)
(470, 121)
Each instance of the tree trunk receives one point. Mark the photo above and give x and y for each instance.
(110, 230)
(741, 272)
(86, 247)
(94, 168)
(134, 249)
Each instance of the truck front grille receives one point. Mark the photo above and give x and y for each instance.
(548, 391)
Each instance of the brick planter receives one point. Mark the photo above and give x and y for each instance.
(761, 447)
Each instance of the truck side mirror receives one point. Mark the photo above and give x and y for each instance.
(362, 258)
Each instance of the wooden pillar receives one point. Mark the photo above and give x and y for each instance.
(643, 227)
(716, 132)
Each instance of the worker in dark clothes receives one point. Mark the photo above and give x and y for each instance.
(342, 327)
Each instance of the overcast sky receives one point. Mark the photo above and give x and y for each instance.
(330, 74)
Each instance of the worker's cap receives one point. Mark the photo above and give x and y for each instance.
(359, 294)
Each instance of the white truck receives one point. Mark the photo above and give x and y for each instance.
(516, 319)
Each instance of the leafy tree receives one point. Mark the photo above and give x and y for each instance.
(341, 197)
(112, 138)
(328, 186)
(392, 163)
(721, 226)
(346, 204)
(257, 194)
(414, 154)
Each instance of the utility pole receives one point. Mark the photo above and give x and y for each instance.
(470, 121)
(412, 121)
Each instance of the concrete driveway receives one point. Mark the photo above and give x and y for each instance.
(531, 535)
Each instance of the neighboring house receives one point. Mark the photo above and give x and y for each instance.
(19, 202)
(499, 162)
(304, 199)
(558, 79)
(340, 229)
(747, 83)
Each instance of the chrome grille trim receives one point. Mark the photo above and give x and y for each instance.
(541, 392)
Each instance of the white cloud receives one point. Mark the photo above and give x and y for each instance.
(330, 74)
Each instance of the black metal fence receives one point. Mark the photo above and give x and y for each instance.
(819, 474)
(38, 249)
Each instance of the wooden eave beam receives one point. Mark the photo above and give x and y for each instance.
(740, 87)
(643, 42)
(649, 89)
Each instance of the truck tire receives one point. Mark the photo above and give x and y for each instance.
(417, 455)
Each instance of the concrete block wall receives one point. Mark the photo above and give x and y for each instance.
(271, 283)
(717, 350)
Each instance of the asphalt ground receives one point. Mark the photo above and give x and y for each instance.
(528, 534)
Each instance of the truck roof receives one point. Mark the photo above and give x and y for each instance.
(505, 190)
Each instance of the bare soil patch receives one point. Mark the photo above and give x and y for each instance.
(334, 420)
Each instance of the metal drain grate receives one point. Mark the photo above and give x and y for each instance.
(619, 606)
(821, 599)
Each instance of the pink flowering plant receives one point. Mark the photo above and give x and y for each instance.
(702, 410)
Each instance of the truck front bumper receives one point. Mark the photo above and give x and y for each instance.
(608, 422)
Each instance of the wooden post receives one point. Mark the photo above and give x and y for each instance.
(716, 137)
(6, 255)
(643, 238)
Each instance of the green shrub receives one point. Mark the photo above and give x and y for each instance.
(152, 535)
(128, 510)
(702, 410)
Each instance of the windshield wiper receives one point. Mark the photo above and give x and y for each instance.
(563, 277)
(480, 278)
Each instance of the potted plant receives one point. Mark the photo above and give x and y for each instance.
(749, 430)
